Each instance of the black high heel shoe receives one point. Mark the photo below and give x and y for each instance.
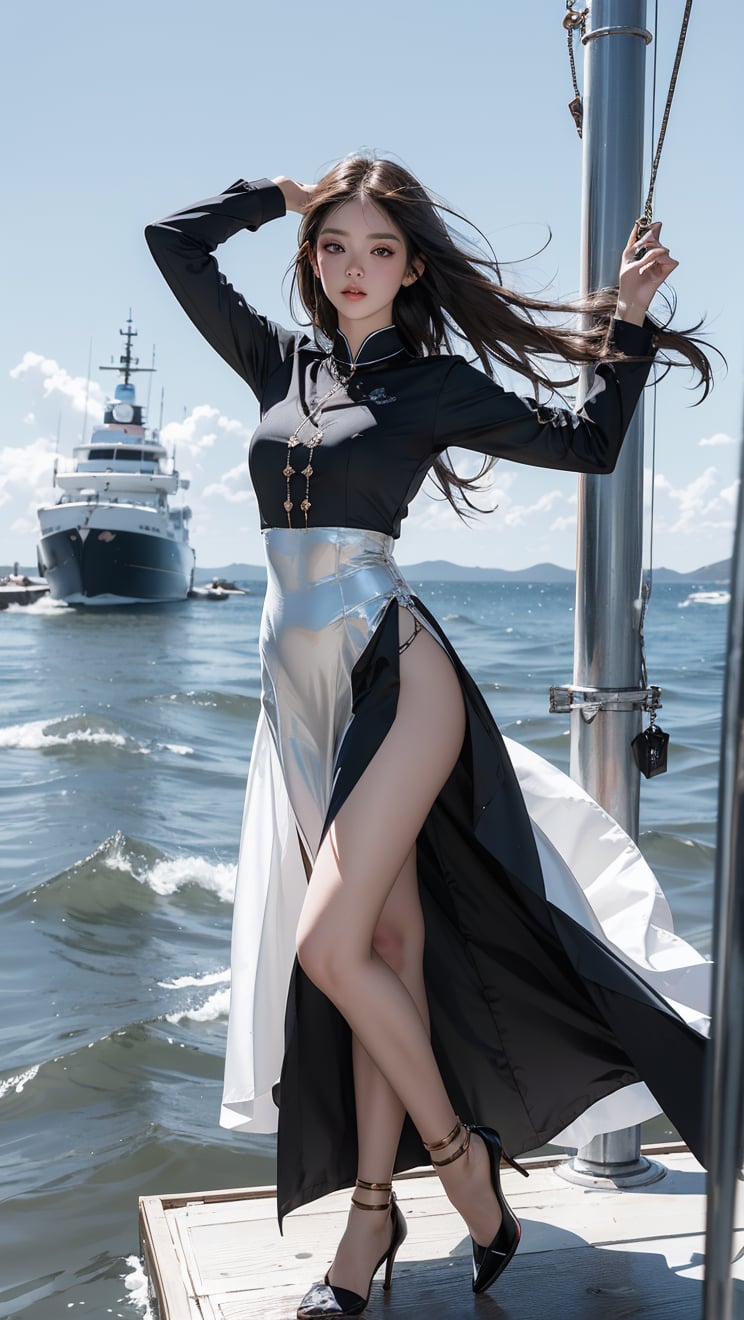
(325, 1300)
(488, 1262)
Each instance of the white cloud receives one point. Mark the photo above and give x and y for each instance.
(78, 390)
(519, 513)
(233, 486)
(200, 430)
(563, 523)
(700, 505)
(26, 468)
(720, 438)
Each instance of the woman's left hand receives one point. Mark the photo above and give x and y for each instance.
(644, 266)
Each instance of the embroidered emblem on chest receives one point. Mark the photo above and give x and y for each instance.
(380, 395)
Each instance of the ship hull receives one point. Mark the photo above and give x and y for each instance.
(106, 567)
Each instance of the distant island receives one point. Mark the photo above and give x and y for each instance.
(441, 570)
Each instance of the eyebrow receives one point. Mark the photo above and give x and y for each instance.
(345, 234)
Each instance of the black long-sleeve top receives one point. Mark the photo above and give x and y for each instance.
(383, 430)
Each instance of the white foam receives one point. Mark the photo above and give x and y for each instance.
(37, 734)
(17, 1083)
(117, 859)
(44, 605)
(211, 978)
(34, 735)
(167, 877)
(179, 749)
(137, 1286)
(217, 1006)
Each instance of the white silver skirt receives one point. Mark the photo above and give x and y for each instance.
(327, 590)
(329, 655)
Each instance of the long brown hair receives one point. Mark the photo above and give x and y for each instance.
(460, 296)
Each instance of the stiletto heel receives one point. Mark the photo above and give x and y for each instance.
(324, 1299)
(488, 1262)
(510, 1160)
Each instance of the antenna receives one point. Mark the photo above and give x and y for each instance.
(87, 388)
(128, 363)
(149, 383)
(56, 448)
(162, 404)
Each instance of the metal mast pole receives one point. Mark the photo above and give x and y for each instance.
(725, 1123)
(607, 652)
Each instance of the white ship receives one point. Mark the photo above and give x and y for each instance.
(112, 538)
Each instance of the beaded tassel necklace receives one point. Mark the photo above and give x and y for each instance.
(311, 444)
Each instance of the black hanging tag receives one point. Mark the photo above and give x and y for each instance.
(577, 113)
(650, 751)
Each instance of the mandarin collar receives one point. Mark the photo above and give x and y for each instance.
(379, 346)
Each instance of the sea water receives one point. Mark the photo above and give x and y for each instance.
(125, 736)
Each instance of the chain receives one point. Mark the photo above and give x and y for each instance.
(575, 19)
(312, 417)
(645, 220)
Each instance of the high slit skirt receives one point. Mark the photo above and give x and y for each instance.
(561, 1002)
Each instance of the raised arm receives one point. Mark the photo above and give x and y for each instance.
(182, 245)
(476, 413)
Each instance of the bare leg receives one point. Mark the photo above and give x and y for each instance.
(398, 939)
(357, 865)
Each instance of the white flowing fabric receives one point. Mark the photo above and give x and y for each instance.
(592, 871)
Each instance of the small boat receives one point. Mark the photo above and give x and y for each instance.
(209, 593)
(112, 537)
(19, 589)
(222, 584)
(706, 598)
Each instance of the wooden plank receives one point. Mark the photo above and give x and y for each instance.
(579, 1283)
(586, 1253)
(162, 1264)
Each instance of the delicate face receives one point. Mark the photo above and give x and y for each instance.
(362, 260)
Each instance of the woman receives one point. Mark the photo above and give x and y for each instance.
(440, 977)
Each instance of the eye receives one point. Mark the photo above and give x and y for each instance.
(382, 252)
(332, 247)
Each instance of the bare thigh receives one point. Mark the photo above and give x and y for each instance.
(374, 834)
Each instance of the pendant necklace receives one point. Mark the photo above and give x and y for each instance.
(311, 444)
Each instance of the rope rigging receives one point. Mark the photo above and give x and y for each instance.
(574, 20)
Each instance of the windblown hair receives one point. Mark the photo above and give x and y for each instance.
(460, 296)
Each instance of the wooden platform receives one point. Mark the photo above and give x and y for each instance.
(585, 1254)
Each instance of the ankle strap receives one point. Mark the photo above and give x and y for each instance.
(374, 1187)
(447, 1141)
(440, 1145)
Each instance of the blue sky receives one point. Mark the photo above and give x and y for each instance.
(116, 115)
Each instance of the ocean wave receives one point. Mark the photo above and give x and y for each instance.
(231, 703)
(215, 1007)
(211, 978)
(43, 733)
(18, 1082)
(141, 875)
(79, 1077)
(168, 875)
(79, 731)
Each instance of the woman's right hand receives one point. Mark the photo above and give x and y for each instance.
(296, 195)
